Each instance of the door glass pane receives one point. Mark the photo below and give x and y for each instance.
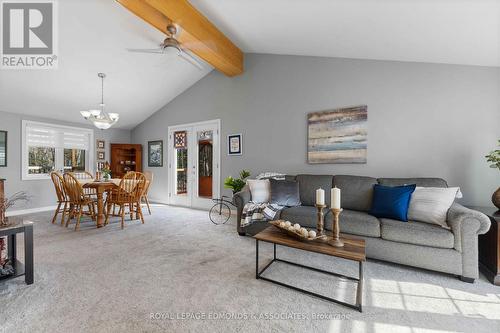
(41, 160)
(3, 148)
(181, 161)
(205, 163)
(74, 160)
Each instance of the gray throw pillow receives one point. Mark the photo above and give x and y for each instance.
(285, 193)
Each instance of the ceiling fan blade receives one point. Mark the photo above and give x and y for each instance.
(192, 60)
(159, 51)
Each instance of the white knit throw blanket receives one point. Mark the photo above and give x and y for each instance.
(253, 212)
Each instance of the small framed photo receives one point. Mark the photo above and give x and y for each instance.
(234, 144)
(100, 166)
(101, 144)
(100, 155)
(155, 153)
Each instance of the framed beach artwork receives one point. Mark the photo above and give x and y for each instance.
(155, 153)
(338, 136)
(234, 144)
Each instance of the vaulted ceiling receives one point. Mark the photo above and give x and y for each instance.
(437, 31)
(94, 36)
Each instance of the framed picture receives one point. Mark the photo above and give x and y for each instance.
(100, 144)
(100, 155)
(155, 153)
(100, 166)
(338, 136)
(3, 148)
(234, 144)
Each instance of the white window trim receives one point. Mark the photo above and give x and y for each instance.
(89, 156)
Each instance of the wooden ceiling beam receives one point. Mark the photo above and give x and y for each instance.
(197, 34)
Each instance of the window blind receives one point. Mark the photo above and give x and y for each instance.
(75, 140)
(56, 137)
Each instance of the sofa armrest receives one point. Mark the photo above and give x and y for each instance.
(240, 199)
(463, 218)
(466, 224)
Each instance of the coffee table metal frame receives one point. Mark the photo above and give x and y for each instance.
(359, 292)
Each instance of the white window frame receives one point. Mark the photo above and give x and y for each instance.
(59, 156)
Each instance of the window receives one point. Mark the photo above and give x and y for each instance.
(74, 160)
(48, 148)
(41, 160)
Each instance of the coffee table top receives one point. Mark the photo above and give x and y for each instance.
(353, 249)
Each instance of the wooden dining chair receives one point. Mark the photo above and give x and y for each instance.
(78, 200)
(149, 181)
(128, 193)
(85, 175)
(62, 198)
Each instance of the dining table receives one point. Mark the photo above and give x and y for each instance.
(100, 187)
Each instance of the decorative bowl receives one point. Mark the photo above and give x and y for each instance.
(294, 233)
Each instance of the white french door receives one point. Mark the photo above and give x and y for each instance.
(193, 164)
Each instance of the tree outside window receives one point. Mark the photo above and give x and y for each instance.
(74, 160)
(41, 160)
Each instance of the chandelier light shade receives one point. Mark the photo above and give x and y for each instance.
(100, 118)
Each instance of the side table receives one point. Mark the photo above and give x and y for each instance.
(489, 246)
(18, 226)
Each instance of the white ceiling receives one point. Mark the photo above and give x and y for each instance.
(437, 31)
(94, 35)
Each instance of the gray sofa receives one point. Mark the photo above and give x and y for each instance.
(415, 244)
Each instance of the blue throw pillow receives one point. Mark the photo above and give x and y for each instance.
(391, 202)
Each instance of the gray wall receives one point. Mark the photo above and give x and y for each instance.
(41, 191)
(423, 119)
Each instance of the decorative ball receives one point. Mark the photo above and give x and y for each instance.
(296, 226)
(288, 223)
(312, 233)
(291, 228)
(304, 232)
(282, 224)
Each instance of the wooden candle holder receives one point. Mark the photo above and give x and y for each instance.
(320, 223)
(336, 241)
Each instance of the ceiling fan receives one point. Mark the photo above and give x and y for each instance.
(171, 46)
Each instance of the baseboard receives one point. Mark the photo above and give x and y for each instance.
(30, 211)
(157, 201)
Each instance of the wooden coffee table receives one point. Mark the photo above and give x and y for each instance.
(353, 249)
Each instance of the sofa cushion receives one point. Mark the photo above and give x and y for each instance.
(391, 202)
(422, 182)
(305, 216)
(308, 184)
(285, 192)
(418, 233)
(357, 191)
(351, 222)
(260, 190)
(431, 204)
(358, 223)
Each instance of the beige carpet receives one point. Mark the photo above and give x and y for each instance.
(181, 273)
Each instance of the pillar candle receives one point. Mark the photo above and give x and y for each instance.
(335, 194)
(320, 196)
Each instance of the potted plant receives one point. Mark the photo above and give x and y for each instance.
(237, 184)
(494, 159)
(106, 172)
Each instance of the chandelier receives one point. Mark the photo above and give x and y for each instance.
(100, 118)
